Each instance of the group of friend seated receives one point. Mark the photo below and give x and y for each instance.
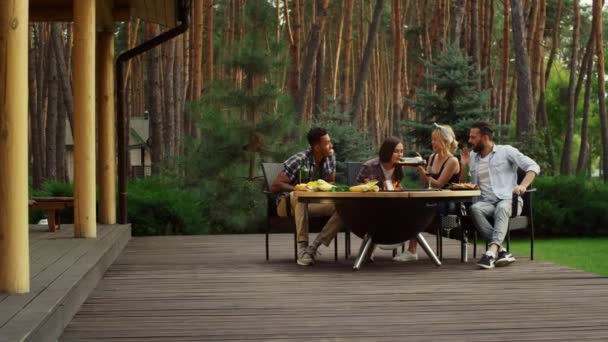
(492, 167)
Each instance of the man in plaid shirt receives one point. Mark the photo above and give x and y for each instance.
(316, 162)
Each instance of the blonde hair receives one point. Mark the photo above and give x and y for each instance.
(446, 136)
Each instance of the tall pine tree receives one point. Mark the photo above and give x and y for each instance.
(240, 123)
(452, 97)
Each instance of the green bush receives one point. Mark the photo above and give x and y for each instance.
(157, 206)
(570, 206)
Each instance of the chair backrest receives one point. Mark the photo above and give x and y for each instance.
(352, 171)
(527, 197)
(271, 171)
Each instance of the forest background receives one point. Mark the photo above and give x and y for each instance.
(249, 77)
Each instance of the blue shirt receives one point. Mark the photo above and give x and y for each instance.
(503, 163)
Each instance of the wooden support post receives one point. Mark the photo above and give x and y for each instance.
(14, 245)
(84, 119)
(106, 115)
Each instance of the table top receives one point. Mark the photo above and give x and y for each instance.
(390, 194)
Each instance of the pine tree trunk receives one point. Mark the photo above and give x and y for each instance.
(601, 91)
(366, 61)
(51, 117)
(525, 114)
(542, 117)
(63, 75)
(60, 140)
(346, 57)
(319, 93)
(537, 47)
(505, 64)
(37, 143)
(338, 52)
(566, 163)
(459, 20)
(197, 50)
(209, 42)
(154, 101)
(312, 48)
(169, 98)
(178, 92)
(396, 29)
(583, 154)
(294, 48)
(474, 48)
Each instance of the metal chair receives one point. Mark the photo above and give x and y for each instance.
(275, 223)
(516, 222)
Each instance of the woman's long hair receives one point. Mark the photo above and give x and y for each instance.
(386, 154)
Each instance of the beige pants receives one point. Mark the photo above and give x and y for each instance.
(329, 231)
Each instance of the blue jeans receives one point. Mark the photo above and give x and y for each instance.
(500, 212)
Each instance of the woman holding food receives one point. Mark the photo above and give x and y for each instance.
(386, 167)
(442, 169)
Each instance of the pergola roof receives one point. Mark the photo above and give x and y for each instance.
(108, 11)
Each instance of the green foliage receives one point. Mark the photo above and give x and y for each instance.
(587, 254)
(240, 125)
(350, 144)
(570, 206)
(456, 99)
(157, 206)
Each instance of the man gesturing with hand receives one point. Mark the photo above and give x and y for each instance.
(494, 168)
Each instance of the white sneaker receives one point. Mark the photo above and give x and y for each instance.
(406, 256)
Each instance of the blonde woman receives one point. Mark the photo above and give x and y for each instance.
(442, 169)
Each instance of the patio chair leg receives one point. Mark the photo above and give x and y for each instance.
(464, 255)
(475, 244)
(267, 255)
(508, 240)
(336, 248)
(532, 243)
(295, 246)
(425, 246)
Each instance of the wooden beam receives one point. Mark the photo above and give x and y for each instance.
(103, 11)
(14, 244)
(84, 119)
(65, 13)
(106, 115)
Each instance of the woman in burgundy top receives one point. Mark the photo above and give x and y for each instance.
(386, 166)
(442, 169)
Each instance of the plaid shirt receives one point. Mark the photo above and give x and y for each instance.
(306, 159)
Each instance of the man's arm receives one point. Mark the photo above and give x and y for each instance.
(521, 188)
(282, 183)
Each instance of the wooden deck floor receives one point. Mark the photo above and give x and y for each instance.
(208, 288)
(63, 271)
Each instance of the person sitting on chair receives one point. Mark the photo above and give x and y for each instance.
(442, 168)
(494, 168)
(316, 162)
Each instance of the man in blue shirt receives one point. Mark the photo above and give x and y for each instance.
(316, 162)
(494, 168)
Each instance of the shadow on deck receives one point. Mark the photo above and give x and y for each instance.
(63, 272)
(201, 288)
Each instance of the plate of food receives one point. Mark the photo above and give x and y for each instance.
(412, 161)
(463, 186)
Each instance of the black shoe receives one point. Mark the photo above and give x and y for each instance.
(504, 258)
(486, 261)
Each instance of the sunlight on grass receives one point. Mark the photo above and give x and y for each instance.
(587, 254)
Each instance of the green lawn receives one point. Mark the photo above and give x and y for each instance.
(587, 254)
